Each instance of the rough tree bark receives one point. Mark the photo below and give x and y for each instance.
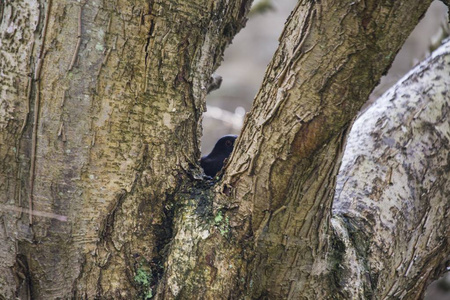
(391, 209)
(101, 193)
(101, 106)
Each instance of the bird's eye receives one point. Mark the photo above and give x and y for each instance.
(228, 143)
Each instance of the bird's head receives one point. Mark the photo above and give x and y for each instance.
(224, 145)
(213, 162)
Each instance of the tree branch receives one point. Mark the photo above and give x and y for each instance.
(331, 56)
(393, 188)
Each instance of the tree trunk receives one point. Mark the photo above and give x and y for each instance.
(279, 184)
(101, 192)
(391, 209)
(101, 106)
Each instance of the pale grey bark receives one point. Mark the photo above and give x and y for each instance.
(392, 204)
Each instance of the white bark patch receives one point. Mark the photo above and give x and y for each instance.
(394, 182)
(167, 120)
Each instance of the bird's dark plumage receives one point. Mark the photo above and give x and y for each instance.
(213, 162)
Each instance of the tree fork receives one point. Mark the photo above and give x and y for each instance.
(280, 178)
(131, 111)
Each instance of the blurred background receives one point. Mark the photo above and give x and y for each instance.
(246, 59)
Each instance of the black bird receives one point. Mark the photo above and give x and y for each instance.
(213, 162)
